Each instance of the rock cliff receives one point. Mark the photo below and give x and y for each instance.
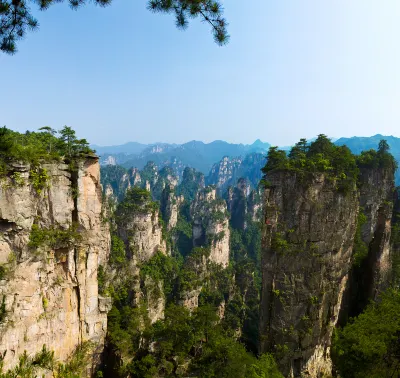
(52, 241)
(370, 273)
(139, 225)
(307, 250)
(211, 225)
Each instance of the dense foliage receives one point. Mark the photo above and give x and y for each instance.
(45, 362)
(35, 147)
(192, 181)
(369, 346)
(136, 200)
(112, 175)
(323, 156)
(184, 343)
(320, 156)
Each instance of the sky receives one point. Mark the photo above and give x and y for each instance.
(292, 69)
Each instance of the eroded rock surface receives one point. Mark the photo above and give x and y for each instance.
(307, 249)
(51, 292)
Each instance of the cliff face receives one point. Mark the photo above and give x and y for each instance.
(142, 232)
(372, 274)
(307, 248)
(376, 201)
(229, 170)
(237, 203)
(211, 225)
(50, 287)
(170, 204)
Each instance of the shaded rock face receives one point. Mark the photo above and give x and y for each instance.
(51, 294)
(372, 276)
(307, 247)
(237, 203)
(376, 200)
(170, 204)
(255, 205)
(211, 225)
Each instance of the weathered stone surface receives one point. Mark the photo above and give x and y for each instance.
(211, 225)
(372, 275)
(170, 204)
(51, 296)
(307, 247)
(142, 232)
(237, 203)
(376, 201)
(190, 299)
(155, 300)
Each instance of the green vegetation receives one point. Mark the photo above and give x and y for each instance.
(53, 237)
(320, 156)
(44, 361)
(197, 338)
(191, 183)
(118, 253)
(39, 179)
(35, 148)
(368, 346)
(112, 175)
(182, 232)
(161, 268)
(3, 311)
(380, 158)
(136, 201)
(360, 248)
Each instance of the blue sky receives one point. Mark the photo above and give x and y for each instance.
(292, 69)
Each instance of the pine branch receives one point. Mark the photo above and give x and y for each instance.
(16, 19)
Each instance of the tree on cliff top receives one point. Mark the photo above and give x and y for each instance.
(16, 17)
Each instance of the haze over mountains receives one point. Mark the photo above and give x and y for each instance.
(195, 154)
(205, 156)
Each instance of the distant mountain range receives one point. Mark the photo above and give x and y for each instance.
(199, 155)
(208, 157)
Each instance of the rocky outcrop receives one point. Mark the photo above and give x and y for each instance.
(372, 274)
(307, 250)
(170, 204)
(255, 204)
(153, 292)
(229, 170)
(237, 203)
(222, 173)
(211, 225)
(141, 230)
(50, 289)
(135, 178)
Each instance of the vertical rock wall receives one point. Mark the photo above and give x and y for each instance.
(211, 225)
(51, 294)
(307, 247)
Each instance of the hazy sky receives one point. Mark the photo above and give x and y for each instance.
(292, 69)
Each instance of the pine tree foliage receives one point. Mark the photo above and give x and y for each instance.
(209, 11)
(16, 18)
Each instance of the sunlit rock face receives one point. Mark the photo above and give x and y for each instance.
(211, 225)
(50, 292)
